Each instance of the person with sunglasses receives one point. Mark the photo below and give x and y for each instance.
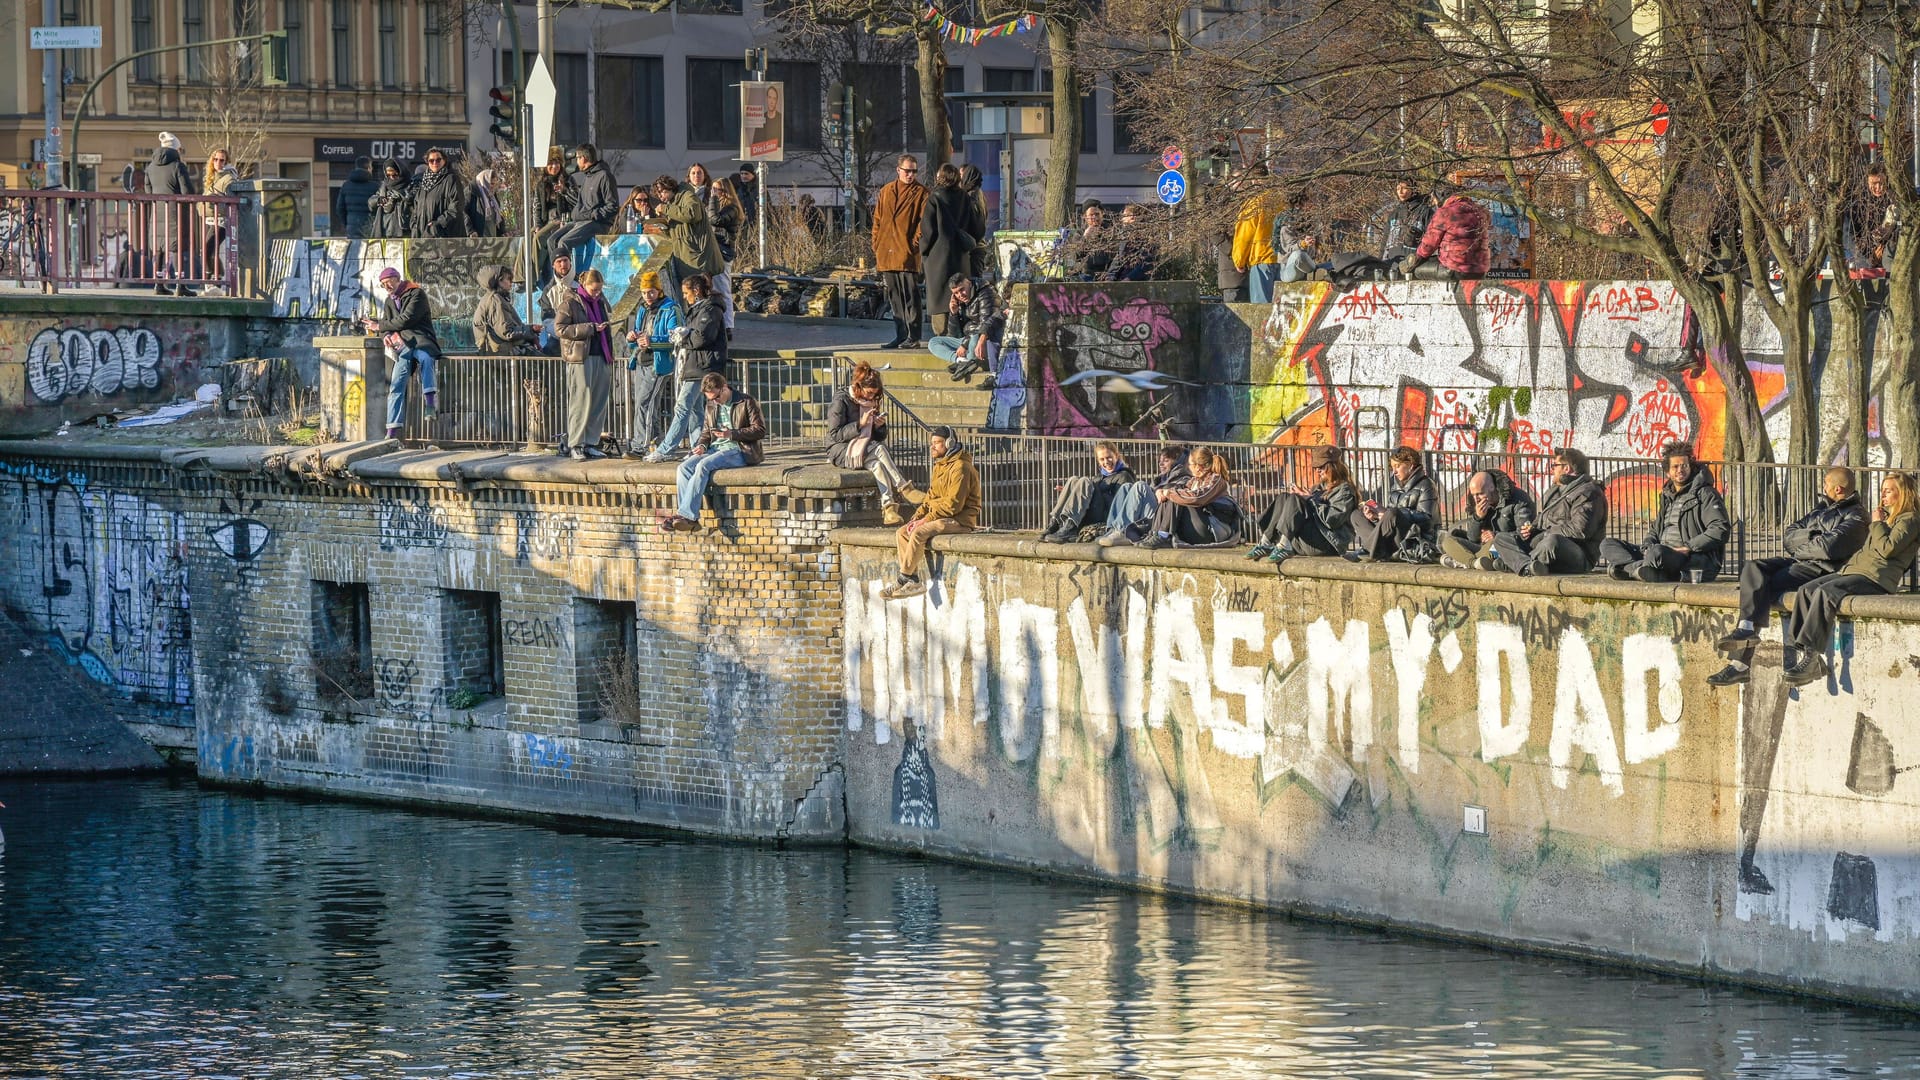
(896, 249)
(439, 200)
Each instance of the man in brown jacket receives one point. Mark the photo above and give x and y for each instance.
(896, 249)
(730, 438)
(952, 505)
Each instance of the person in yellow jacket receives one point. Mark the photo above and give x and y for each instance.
(952, 505)
(1253, 251)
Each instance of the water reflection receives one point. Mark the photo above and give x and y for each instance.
(150, 929)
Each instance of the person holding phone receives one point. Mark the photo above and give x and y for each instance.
(1399, 523)
(1316, 521)
(586, 329)
(734, 427)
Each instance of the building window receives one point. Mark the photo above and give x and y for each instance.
(390, 44)
(470, 625)
(343, 44)
(631, 110)
(606, 670)
(570, 85)
(246, 20)
(147, 68)
(802, 104)
(75, 63)
(294, 22)
(1124, 139)
(888, 95)
(193, 25)
(710, 82)
(436, 48)
(341, 647)
(710, 7)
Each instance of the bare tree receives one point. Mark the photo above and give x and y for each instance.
(233, 110)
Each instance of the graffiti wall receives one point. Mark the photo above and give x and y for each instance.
(104, 575)
(1338, 743)
(1115, 358)
(54, 368)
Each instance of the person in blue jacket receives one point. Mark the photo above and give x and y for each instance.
(650, 366)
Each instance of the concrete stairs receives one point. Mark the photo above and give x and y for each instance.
(920, 381)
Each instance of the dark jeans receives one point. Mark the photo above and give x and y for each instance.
(1191, 524)
(1383, 539)
(1290, 519)
(1547, 553)
(1668, 563)
(902, 290)
(575, 234)
(1764, 582)
(1817, 604)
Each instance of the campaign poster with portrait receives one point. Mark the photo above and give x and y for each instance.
(763, 118)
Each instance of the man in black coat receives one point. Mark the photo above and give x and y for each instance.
(1086, 500)
(407, 332)
(1687, 534)
(1406, 221)
(596, 202)
(439, 200)
(171, 224)
(1817, 545)
(1564, 538)
(352, 213)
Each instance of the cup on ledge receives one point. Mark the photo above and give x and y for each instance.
(1696, 575)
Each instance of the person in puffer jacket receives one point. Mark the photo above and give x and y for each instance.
(1316, 522)
(974, 321)
(1459, 237)
(1564, 537)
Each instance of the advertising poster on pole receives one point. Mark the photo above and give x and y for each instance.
(763, 121)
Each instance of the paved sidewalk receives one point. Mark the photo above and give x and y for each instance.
(758, 335)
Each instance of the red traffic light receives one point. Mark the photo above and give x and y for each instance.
(501, 94)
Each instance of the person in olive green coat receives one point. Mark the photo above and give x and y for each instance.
(1875, 570)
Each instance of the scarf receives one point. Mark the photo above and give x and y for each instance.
(597, 312)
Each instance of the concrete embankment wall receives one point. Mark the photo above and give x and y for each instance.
(1317, 740)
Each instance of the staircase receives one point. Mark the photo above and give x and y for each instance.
(919, 380)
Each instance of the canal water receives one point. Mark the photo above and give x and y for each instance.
(155, 929)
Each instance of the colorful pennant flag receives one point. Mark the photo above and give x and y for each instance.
(973, 35)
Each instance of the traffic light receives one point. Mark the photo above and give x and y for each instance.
(273, 59)
(506, 121)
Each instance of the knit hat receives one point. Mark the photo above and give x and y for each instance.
(389, 272)
(650, 279)
(169, 140)
(941, 431)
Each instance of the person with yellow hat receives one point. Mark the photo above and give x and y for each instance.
(650, 366)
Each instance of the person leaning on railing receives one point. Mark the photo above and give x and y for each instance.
(700, 349)
(1400, 523)
(1893, 539)
(1086, 500)
(857, 439)
(1818, 544)
(497, 329)
(407, 332)
(1688, 532)
(650, 365)
(1564, 537)
(585, 326)
(1316, 522)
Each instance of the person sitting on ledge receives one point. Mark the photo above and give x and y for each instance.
(973, 328)
(857, 439)
(1686, 535)
(1817, 545)
(1134, 504)
(1199, 513)
(1566, 537)
(1495, 505)
(729, 439)
(1401, 521)
(1086, 500)
(952, 505)
(408, 331)
(1316, 522)
(1875, 570)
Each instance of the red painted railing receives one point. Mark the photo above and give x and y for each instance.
(95, 239)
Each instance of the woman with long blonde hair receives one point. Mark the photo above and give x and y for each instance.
(1893, 540)
(1200, 512)
(219, 178)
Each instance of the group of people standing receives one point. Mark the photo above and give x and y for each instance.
(936, 237)
(434, 201)
(185, 242)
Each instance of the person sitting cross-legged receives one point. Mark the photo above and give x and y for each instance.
(1316, 522)
(1495, 505)
(1401, 521)
(1893, 539)
(1135, 503)
(1687, 533)
(952, 505)
(1085, 500)
(1564, 538)
(1817, 545)
(729, 439)
(1200, 512)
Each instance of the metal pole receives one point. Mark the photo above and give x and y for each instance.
(50, 87)
(847, 131)
(543, 21)
(526, 206)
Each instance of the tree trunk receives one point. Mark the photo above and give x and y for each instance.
(1792, 316)
(932, 67)
(1719, 317)
(1900, 394)
(1843, 433)
(1063, 160)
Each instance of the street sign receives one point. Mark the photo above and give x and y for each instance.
(1660, 118)
(1172, 187)
(542, 96)
(96, 160)
(65, 37)
(1172, 158)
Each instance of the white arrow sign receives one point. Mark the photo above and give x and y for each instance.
(542, 96)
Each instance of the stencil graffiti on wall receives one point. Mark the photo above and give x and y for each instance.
(331, 279)
(105, 576)
(394, 679)
(916, 801)
(66, 363)
(406, 523)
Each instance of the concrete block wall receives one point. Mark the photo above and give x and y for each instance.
(1317, 741)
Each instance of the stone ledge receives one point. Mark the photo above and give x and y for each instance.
(1724, 594)
(104, 303)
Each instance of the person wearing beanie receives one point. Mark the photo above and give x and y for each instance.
(952, 505)
(171, 224)
(650, 365)
(407, 331)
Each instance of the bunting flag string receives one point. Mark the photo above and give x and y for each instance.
(973, 35)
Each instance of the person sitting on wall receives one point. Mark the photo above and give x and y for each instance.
(1310, 522)
(1302, 262)
(1134, 504)
(497, 329)
(952, 505)
(857, 439)
(1686, 535)
(974, 322)
(1459, 237)
(729, 439)
(1406, 221)
(1818, 544)
(1565, 539)
(1893, 539)
(408, 334)
(1085, 500)
(1199, 513)
(1495, 505)
(1400, 522)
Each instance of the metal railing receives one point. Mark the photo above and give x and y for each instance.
(75, 239)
